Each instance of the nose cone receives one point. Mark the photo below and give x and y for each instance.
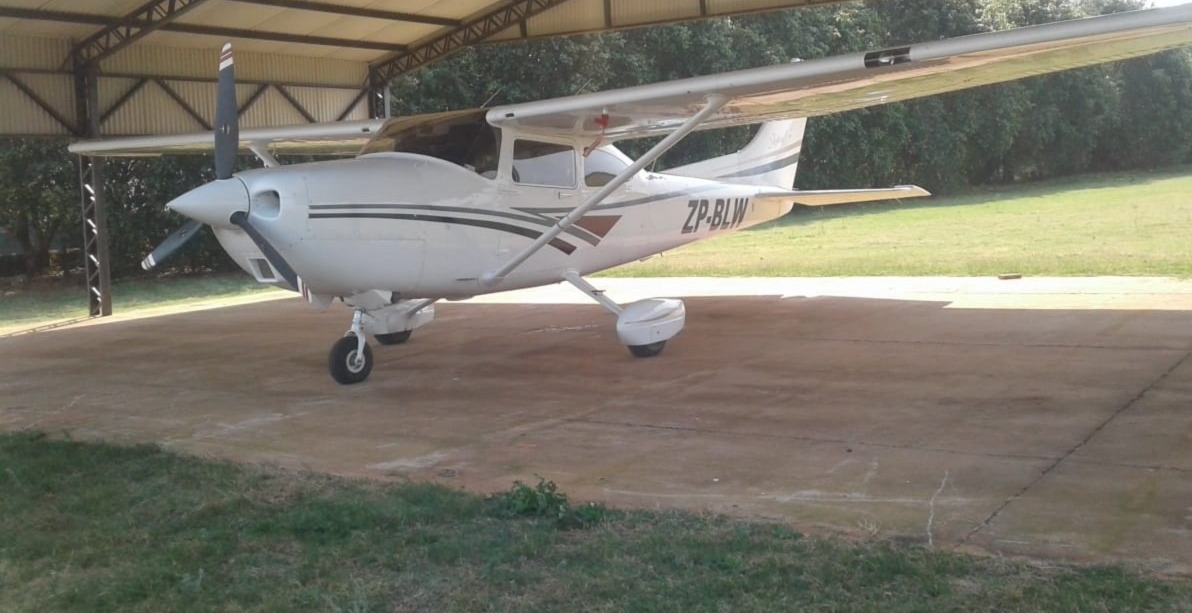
(213, 203)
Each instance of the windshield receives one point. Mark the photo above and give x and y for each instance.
(463, 138)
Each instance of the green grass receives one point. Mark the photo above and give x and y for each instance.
(1137, 224)
(56, 300)
(95, 527)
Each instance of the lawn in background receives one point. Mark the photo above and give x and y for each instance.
(26, 306)
(1137, 224)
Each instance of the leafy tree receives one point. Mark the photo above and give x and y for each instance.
(38, 196)
(1153, 125)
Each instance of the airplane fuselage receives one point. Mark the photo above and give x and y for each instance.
(424, 227)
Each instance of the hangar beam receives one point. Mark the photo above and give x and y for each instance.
(129, 29)
(470, 32)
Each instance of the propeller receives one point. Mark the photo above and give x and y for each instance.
(227, 141)
(240, 218)
(172, 243)
(225, 200)
(227, 116)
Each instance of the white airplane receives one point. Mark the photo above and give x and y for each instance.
(453, 205)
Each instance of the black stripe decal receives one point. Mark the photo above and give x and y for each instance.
(764, 168)
(563, 246)
(626, 203)
(579, 233)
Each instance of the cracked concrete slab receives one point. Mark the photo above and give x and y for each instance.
(1043, 417)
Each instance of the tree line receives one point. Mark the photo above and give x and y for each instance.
(1131, 115)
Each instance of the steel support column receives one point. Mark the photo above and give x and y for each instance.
(95, 224)
(378, 96)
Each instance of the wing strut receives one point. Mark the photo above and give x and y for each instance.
(714, 103)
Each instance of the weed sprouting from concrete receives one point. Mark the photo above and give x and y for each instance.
(544, 500)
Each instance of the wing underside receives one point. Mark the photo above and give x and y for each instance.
(841, 83)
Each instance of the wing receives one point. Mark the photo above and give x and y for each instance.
(333, 138)
(841, 83)
(828, 197)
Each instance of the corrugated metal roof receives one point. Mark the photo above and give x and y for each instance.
(156, 59)
(71, 20)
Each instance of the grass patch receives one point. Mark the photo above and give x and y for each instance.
(96, 527)
(55, 299)
(1136, 224)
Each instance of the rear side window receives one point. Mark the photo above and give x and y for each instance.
(600, 167)
(539, 163)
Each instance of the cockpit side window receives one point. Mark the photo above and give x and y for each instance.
(600, 167)
(540, 163)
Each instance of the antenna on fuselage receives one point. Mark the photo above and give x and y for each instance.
(490, 98)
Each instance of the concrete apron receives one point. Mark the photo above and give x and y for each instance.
(1042, 417)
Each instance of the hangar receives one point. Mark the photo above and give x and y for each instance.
(1024, 415)
(128, 67)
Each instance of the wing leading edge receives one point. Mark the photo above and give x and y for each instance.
(846, 82)
(331, 138)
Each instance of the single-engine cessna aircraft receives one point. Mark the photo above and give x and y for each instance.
(452, 205)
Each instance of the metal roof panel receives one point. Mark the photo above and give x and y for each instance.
(319, 49)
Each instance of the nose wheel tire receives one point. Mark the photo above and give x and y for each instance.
(393, 338)
(345, 365)
(647, 351)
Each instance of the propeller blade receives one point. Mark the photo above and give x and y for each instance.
(227, 120)
(240, 218)
(172, 243)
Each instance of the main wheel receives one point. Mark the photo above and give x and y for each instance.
(343, 363)
(647, 351)
(393, 338)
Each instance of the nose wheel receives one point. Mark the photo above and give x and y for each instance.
(351, 358)
(348, 363)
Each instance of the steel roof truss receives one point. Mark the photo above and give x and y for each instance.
(187, 28)
(183, 104)
(256, 95)
(353, 11)
(307, 39)
(469, 32)
(294, 103)
(13, 12)
(31, 94)
(136, 25)
(123, 99)
(351, 105)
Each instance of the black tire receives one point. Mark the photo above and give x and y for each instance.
(342, 358)
(393, 338)
(647, 351)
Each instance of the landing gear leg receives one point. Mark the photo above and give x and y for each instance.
(351, 358)
(643, 326)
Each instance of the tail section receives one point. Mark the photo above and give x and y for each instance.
(770, 159)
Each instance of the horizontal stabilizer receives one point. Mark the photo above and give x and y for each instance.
(826, 197)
